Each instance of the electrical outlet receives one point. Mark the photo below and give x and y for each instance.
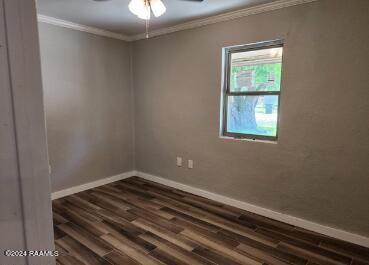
(190, 164)
(179, 161)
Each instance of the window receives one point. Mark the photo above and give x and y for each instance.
(252, 87)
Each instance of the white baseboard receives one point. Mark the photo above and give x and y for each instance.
(315, 227)
(90, 185)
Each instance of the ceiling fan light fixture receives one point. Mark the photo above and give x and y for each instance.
(145, 13)
(157, 7)
(140, 8)
(143, 8)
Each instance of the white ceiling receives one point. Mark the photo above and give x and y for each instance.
(114, 15)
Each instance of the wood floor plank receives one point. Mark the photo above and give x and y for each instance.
(119, 223)
(354, 251)
(61, 250)
(93, 227)
(212, 209)
(59, 208)
(142, 182)
(77, 201)
(227, 241)
(307, 250)
(220, 215)
(91, 216)
(80, 252)
(139, 222)
(265, 222)
(152, 217)
(225, 224)
(130, 251)
(58, 219)
(180, 253)
(201, 199)
(315, 254)
(157, 191)
(134, 241)
(214, 256)
(279, 237)
(120, 204)
(58, 233)
(164, 215)
(145, 184)
(176, 239)
(129, 199)
(86, 239)
(116, 231)
(287, 257)
(84, 195)
(358, 262)
(167, 258)
(118, 258)
(109, 187)
(145, 204)
(115, 228)
(191, 219)
(262, 255)
(132, 190)
(69, 260)
(112, 208)
(220, 248)
(289, 232)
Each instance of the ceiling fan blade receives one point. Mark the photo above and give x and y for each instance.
(193, 0)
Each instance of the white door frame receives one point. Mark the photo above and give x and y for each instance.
(25, 201)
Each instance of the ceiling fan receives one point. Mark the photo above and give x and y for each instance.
(143, 8)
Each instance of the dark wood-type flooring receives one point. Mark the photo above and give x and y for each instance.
(136, 221)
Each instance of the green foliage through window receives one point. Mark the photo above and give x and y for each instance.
(266, 77)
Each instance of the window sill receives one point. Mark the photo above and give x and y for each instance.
(247, 139)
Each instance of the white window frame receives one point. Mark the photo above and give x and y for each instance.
(226, 91)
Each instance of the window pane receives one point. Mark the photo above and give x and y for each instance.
(258, 70)
(256, 115)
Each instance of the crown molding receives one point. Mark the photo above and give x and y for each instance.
(224, 17)
(184, 26)
(80, 27)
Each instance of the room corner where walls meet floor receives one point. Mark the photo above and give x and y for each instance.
(288, 219)
(145, 222)
(313, 161)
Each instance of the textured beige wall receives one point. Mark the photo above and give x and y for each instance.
(88, 105)
(319, 168)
